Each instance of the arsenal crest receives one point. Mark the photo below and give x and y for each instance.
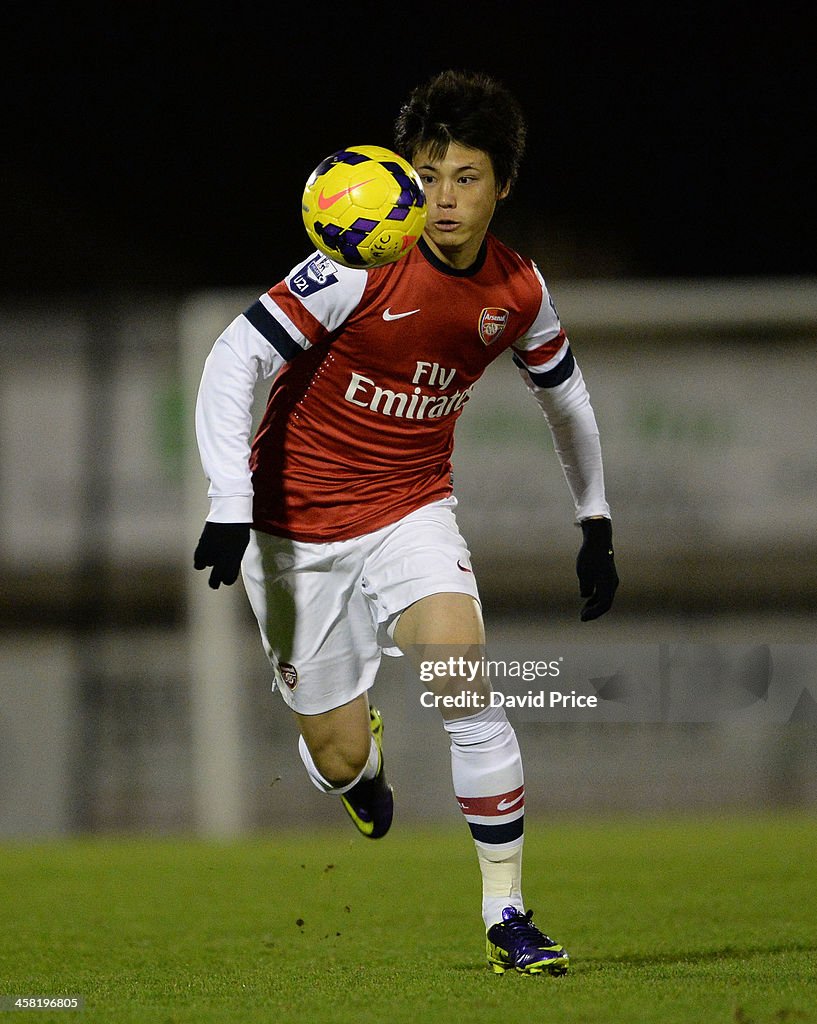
(492, 322)
(289, 674)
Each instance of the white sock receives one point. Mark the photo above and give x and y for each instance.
(486, 769)
(368, 772)
(501, 883)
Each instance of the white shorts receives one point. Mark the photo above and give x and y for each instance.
(327, 611)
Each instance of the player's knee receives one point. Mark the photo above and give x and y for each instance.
(341, 762)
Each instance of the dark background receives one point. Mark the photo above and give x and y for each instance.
(165, 146)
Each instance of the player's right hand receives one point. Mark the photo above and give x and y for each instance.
(222, 545)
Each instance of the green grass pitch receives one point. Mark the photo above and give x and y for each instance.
(677, 921)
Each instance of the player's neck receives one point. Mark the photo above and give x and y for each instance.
(458, 258)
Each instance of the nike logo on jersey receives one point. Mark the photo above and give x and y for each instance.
(463, 567)
(388, 315)
(324, 202)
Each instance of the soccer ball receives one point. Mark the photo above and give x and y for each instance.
(364, 206)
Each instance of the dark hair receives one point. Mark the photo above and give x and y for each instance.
(468, 108)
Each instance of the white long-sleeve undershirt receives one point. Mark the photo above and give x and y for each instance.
(224, 417)
(575, 433)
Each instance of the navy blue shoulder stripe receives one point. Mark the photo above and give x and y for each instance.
(550, 378)
(266, 324)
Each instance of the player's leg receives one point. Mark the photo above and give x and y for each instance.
(486, 769)
(342, 751)
(338, 741)
(420, 580)
(318, 634)
(486, 764)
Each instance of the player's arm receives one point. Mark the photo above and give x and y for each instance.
(552, 375)
(272, 331)
(240, 356)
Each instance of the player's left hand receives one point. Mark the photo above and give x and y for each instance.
(596, 568)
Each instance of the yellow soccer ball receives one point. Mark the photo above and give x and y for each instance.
(364, 206)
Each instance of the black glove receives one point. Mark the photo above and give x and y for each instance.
(222, 545)
(596, 569)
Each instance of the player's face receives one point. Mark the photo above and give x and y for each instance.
(462, 193)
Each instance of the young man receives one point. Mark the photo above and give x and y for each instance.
(341, 513)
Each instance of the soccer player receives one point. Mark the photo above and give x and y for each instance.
(340, 512)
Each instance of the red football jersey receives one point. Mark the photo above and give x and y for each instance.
(359, 425)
